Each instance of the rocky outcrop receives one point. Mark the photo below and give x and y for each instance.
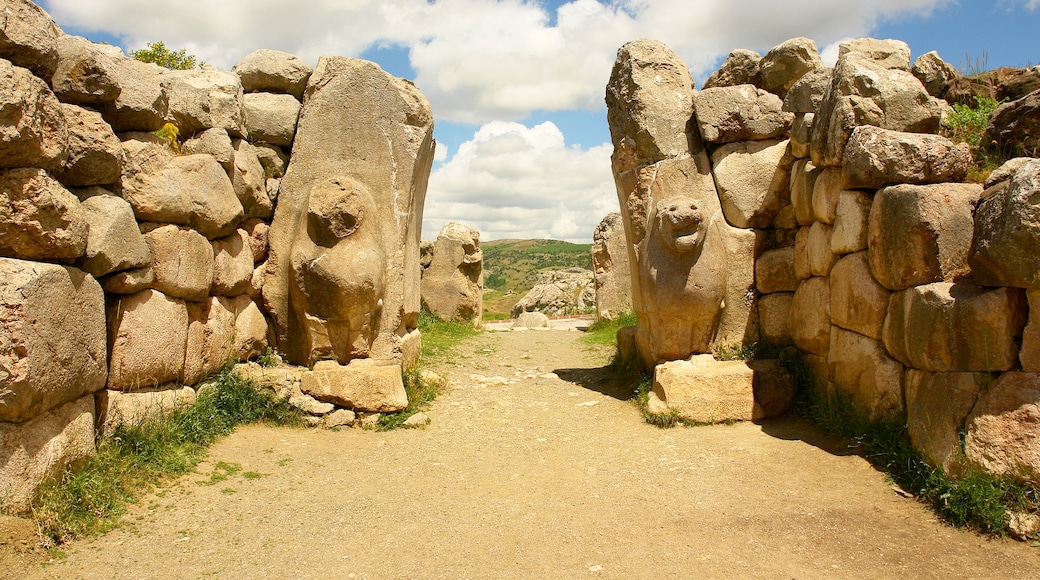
(611, 269)
(555, 293)
(453, 281)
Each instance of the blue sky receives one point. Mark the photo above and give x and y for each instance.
(517, 85)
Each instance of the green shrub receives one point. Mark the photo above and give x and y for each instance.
(967, 124)
(157, 53)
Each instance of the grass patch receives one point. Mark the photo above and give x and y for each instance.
(604, 331)
(975, 499)
(132, 460)
(967, 124)
(420, 394)
(439, 336)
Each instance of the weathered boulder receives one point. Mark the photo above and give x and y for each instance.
(210, 338)
(1030, 353)
(52, 337)
(851, 220)
(39, 219)
(361, 160)
(825, 194)
(531, 320)
(1016, 125)
(371, 386)
(801, 133)
(147, 335)
(232, 264)
(204, 98)
(1007, 233)
(774, 311)
(29, 37)
(752, 179)
(708, 391)
(610, 266)
(273, 71)
(870, 86)
(1003, 430)
(740, 113)
(256, 235)
(182, 262)
(248, 181)
(251, 328)
(83, 72)
(860, 368)
(142, 103)
(37, 450)
(806, 94)
(876, 157)
(787, 62)
(138, 407)
(558, 292)
(803, 180)
(934, 73)
(649, 103)
(818, 249)
(921, 233)
(937, 405)
(739, 68)
(215, 142)
(190, 190)
(271, 118)
(130, 281)
(114, 241)
(33, 130)
(272, 159)
(774, 271)
(955, 327)
(810, 317)
(858, 302)
(801, 253)
(453, 285)
(95, 156)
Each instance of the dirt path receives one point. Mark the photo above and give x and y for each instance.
(528, 470)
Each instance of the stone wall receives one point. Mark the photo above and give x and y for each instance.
(856, 241)
(136, 207)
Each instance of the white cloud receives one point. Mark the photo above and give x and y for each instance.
(511, 181)
(479, 60)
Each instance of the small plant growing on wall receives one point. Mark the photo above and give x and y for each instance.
(169, 133)
(157, 53)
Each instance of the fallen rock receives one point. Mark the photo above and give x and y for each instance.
(340, 418)
(114, 241)
(419, 419)
(312, 406)
(740, 113)
(365, 385)
(876, 157)
(273, 71)
(708, 391)
(531, 320)
(39, 219)
(559, 292)
(1003, 432)
(33, 131)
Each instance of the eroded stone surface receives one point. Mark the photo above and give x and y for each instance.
(937, 405)
(1007, 233)
(611, 268)
(148, 332)
(39, 218)
(1004, 428)
(453, 285)
(370, 386)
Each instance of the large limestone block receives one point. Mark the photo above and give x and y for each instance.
(937, 405)
(182, 261)
(1016, 125)
(248, 181)
(114, 242)
(39, 219)
(611, 268)
(232, 264)
(273, 71)
(210, 340)
(95, 156)
(803, 180)
(826, 189)
(858, 302)
(130, 281)
(1003, 431)
(740, 113)
(888, 53)
(204, 99)
(33, 131)
(251, 328)
(452, 286)
(806, 94)
(365, 139)
(52, 337)
(215, 142)
(921, 233)
(739, 68)
(752, 179)
(934, 73)
(955, 327)
(801, 132)
(191, 190)
(133, 408)
(37, 451)
(1007, 233)
(147, 334)
(810, 317)
(774, 312)
(801, 254)
(876, 157)
(1030, 353)
(142, 103)
(272, 158)
(531, 320)
(851, 220)
(860, 368)
(818, 247)
(708, 391)
(870, 86)
(774, 271)
(370, 386)
(29, 37)
(787, 62)
(271, 118)
(649, 103)
(83, 72)
(257, 232)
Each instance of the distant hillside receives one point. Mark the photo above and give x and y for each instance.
(511, 266)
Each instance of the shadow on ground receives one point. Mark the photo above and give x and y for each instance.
(600, 379)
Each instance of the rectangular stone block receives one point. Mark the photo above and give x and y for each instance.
(860, 367)
(708, 391)
(937, 405)
(367, 385)
(134, 408)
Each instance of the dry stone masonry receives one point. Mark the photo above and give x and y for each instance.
(788, 203)
(286, 216)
